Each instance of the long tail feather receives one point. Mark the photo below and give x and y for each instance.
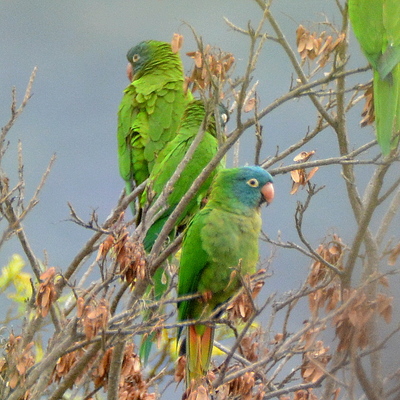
(199, 344)
(160, 288)
(128, 190)
(386, 99)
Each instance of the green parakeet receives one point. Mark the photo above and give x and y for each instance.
(222, 238)
(376, 25)
(166, 164)
(151, 108)
(171, 156)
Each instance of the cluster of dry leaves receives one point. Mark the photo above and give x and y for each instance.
(300, 176)
(47, 293)
(315, 358)
(329, 294)
(243, 387)
(131, 384)
(351, 308)
(311, 45)
(129, 254)
(16, 362)
(242, 307)
(209, 65)
(354, 308)
(306, 394)
(93, 315)
(394, 255)
(351, 324)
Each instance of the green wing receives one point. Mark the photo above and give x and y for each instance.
(147, 121)
(215, 242)
(192, 262)
(376, 25)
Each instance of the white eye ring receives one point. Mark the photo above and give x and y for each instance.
(135, 58)
(253, 182)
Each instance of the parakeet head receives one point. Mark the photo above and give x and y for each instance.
(145, 55)
(245, 187)
(195, 113)
(138, 56)
(223, 114)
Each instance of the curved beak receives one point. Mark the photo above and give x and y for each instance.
(129, 72)
(268, 192)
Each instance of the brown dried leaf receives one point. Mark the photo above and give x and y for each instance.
(368, 112)
(295, 188)
(176, 42)
(17, 360)
(212, 64)
(46, 294)
(296, 175)
(80, 303)
(13, 382)
(394, 255)
(180, 368)
(242, 307)
(314, 362)
(48, 275)
(105, 247)
(307, 44)
(329, 295)
(300, 176)
(310, 45)
(385, 308)
(250, 104)
(278, 338)
(249, 346)
(328, 48)
(129, 254)
(311, 173)
(304, 156)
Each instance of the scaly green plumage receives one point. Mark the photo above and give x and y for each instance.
(150, 110)
(168, 161)
(222, 237)
(376, 25)
(172, 155)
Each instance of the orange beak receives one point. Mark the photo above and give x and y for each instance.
(268, 192)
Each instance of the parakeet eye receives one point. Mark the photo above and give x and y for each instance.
(135, 58)
(253, 182)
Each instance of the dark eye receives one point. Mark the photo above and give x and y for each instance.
(253, 182)
(135, 58)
